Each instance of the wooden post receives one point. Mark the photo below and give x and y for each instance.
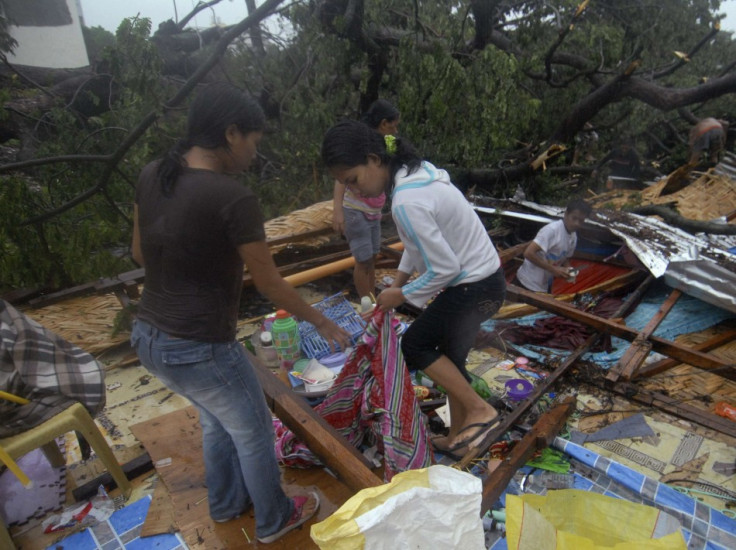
(666, 364)
(540, 436)
(321, 438)
(665, 347)
(522, 408)
(640, 348)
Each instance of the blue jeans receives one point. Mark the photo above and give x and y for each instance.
(237, 431)
(450, 323)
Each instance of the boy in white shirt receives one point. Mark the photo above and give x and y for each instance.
(548, 255)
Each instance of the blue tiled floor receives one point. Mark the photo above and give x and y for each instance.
(121, 532)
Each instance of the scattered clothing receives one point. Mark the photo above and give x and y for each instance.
(372, 400)
(559, 332)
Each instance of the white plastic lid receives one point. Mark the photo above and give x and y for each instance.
(266, 338)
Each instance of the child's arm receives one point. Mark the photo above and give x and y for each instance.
(535, 255)
(338, 218)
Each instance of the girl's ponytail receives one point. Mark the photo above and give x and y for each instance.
(405, 155)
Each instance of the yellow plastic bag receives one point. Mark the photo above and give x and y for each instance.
(571, 519)
(435, 507)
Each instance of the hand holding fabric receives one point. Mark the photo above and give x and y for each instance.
(390, 298)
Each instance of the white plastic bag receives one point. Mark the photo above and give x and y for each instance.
(435, 507)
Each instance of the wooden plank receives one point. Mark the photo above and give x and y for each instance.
(640, 348)
(322, 439)
(665, 364)
(540, 436)
(160, 518)
(660, 345)
(512, 252)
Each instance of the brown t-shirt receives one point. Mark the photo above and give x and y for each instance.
(189, 240)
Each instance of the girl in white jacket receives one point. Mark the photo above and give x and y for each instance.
(447, 245)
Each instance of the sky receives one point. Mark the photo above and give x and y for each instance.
(109, 13)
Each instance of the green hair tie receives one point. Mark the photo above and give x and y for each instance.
(390, 144)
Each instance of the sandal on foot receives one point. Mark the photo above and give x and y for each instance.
(298, 517)
(482, 429)
(456, 455)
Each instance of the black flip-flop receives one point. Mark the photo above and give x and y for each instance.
(447, 453)
(483, 429)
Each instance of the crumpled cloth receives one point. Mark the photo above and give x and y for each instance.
(371, 401)
(559, 332)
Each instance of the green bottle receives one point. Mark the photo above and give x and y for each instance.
(285, 333)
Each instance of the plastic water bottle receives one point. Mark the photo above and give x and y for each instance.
(285, 334)
(366, 304)
(267, 351)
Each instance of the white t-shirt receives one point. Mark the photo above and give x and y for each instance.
(557, 245)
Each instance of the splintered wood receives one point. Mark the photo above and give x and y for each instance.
(87, 321)
(316, 216)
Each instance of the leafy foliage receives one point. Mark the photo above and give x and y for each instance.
(465, 103)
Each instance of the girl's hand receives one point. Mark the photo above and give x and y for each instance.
(333, 334)
(338, 222)
(390, 298)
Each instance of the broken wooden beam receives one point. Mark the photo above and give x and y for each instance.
(539, 437)
(512, 252)
(322, 439)
(641, 347)
(665, 364)
(660, 345)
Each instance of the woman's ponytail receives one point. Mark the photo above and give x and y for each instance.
(171, 167)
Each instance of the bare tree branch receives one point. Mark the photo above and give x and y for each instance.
(113, 159)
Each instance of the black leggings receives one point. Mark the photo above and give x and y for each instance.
(451, 322)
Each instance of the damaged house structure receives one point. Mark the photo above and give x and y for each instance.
(625, 407)
(616, 390)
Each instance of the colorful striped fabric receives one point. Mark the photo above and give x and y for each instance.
(371, 402)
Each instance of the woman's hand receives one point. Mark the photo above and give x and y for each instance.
(390, 298)
(333, 334)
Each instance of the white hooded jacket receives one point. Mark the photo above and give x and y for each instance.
(444, 240)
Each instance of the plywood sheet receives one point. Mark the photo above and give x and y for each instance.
(177, 436)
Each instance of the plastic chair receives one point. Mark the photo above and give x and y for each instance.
(74, 418)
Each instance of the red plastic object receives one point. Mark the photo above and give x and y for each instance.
(726, 410)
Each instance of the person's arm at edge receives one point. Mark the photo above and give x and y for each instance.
(271, 284)
(135, 246)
